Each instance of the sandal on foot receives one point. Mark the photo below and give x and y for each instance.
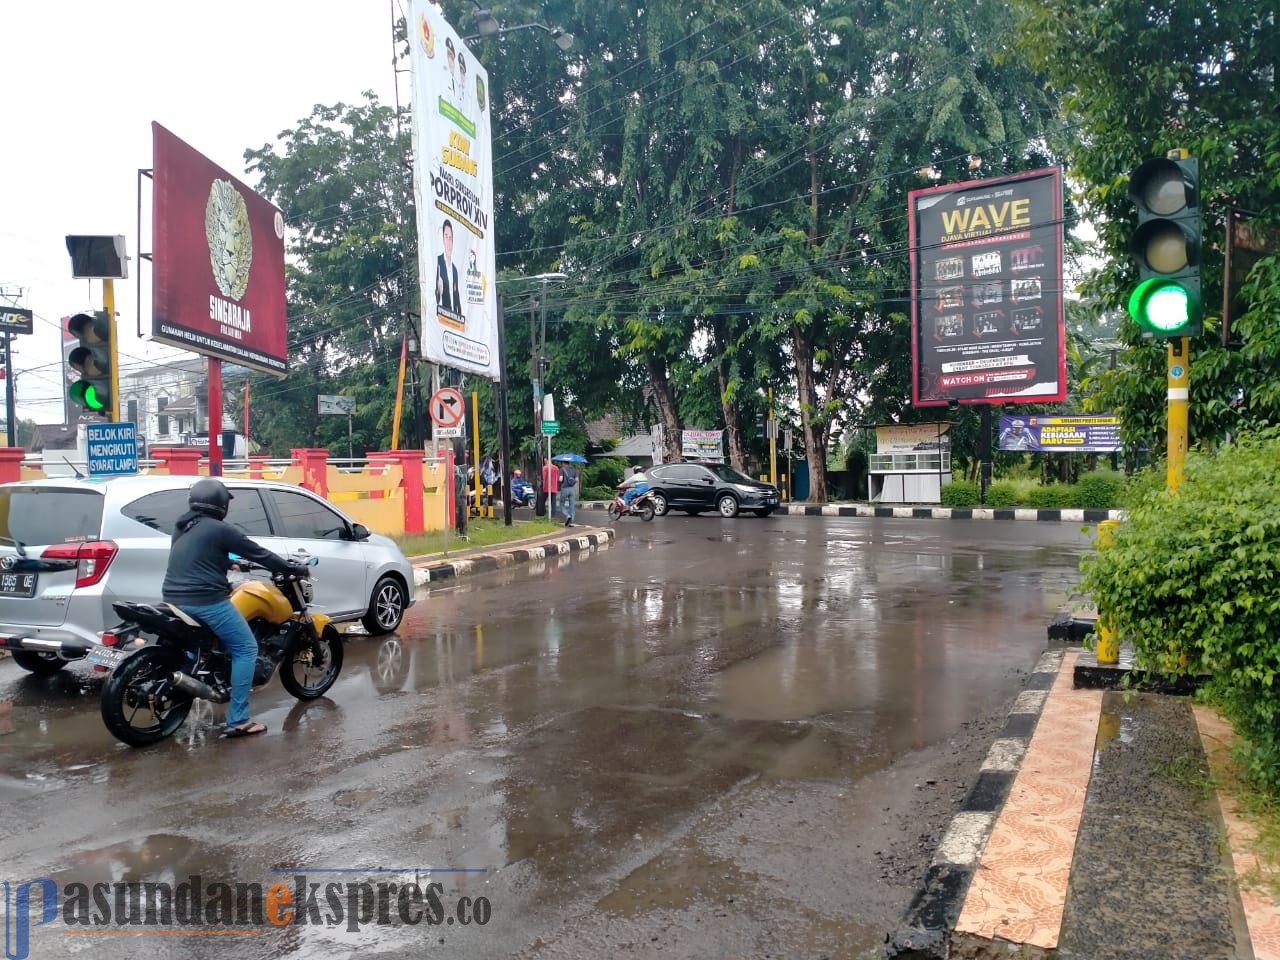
(247, 729)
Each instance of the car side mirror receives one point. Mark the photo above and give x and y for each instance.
(360, 532)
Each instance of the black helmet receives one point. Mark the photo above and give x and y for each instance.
(210, 497)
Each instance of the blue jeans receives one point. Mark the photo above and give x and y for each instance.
(631, 493)
(232, 629)
(569, 503)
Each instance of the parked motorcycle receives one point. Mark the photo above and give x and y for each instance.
(150, 692)
(641, 506)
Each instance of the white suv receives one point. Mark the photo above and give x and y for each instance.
(71, 547)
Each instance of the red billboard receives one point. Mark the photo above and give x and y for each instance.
(218, 261)
(986, 277)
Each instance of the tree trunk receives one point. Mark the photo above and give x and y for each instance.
(814, 435)
(732, 426)
(667, 410)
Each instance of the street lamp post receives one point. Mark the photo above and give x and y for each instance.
(489, 27)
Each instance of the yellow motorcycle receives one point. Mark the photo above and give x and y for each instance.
(150, 691)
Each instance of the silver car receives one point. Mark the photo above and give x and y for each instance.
(71, 547)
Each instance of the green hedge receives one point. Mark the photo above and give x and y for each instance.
(1053, 497)
(597, 493)
(1103, 490)
(1098, 491)
(960, 493)
(1002, 495)
(1193, 581)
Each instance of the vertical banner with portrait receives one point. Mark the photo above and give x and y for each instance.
(453, 185)
(986, 305)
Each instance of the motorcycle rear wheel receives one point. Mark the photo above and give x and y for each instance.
(647, 512)
(129, 696)
(310, 667)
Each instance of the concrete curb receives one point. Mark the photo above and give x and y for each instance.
(926, 927)
(434, 571)
(929, 513)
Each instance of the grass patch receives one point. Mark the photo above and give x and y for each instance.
(1261, 808)
(480, 533)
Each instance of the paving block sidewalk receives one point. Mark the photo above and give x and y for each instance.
(1098, 837)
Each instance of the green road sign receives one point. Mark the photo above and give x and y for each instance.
(550, 428)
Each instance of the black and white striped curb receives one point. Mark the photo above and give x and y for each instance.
(932, 915)
(949, 513)
(929, 513)
(448, 570)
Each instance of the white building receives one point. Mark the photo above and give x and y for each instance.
(167, 401)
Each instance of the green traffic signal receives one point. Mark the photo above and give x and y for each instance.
(1166, 246)
(86, 394)
(92, 360)
(1163, 306)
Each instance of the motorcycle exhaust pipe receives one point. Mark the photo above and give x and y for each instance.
(196, 688)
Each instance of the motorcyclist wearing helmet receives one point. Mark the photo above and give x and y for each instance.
(196, 582)
(520, 488)
(637, 484)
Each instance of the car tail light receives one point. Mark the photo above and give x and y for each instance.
(92, 559)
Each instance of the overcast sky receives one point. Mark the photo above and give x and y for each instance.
(82, 81)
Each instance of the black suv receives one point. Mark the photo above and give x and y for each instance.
(697, 487)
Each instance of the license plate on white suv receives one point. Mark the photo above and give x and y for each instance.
(17, 584)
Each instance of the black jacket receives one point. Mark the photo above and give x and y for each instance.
(198, 559)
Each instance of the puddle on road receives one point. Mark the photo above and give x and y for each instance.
(156, 857)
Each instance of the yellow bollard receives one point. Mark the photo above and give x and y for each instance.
(1108, 642)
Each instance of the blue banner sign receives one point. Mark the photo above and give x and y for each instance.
(1099, 433)
(111, 448)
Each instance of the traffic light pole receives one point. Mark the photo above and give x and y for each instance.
(109, 305)
(1179, 404)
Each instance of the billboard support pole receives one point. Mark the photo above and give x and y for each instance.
(504, 429)
(215, 417)
(9, 405)
(984, 452)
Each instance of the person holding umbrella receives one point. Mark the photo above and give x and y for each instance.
(569, 477)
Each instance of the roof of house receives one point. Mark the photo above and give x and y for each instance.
(53, 436)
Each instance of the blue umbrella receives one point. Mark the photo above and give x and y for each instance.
(570, 458)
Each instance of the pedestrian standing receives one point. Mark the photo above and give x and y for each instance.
(569, 494)
(551, 487)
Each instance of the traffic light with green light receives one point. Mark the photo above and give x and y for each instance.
(1166, 246)
(92, 360)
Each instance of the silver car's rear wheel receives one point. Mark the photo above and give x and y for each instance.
(41, 664)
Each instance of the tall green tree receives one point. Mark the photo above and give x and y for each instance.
(1140, 78)
(342, 178)
(727, 183)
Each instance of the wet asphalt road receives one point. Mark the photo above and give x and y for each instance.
(712, 738)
